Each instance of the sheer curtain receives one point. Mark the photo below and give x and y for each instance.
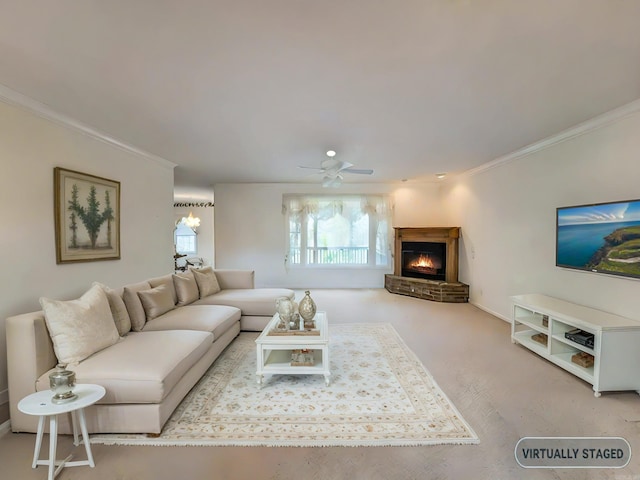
(337, 230)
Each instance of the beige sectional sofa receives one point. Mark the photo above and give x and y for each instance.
(164, 337)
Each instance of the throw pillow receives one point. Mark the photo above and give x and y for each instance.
(186, 288)
(165, 280)
(79, 328)
(156, 301)
(134, 305)
(207, 281)
(118, 309)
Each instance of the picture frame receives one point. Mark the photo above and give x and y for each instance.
(87, 217)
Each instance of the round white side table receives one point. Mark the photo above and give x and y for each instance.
(40, 404)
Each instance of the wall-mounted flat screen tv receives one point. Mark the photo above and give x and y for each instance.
(603, 238)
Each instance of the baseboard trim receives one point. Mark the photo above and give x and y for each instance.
(5, 428)
(488, 310)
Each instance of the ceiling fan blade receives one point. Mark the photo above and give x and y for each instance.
(340, 166)
(361, 171)
(319, 169)
(332, 169)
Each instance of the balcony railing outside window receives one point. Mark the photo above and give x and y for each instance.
(333, 255)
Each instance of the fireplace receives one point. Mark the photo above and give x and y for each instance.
(440, 244)
(426, 264)
(424, 260)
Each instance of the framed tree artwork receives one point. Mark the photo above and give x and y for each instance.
(87, 217)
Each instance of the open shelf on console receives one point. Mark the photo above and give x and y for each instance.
(616, 364)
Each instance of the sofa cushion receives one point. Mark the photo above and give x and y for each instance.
(165, 280)
(118, 309)
(216, 319)
(252, 301)
(142, 367)
(207, 281)
(134, 304)
(156, 301)
(235, 278)
(79, 328)
(186, 288)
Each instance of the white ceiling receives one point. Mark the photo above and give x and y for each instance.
(246, 90)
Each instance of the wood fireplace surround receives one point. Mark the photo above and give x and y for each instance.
(449, 290)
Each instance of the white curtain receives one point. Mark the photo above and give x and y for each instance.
(295, 207)
(295, 204)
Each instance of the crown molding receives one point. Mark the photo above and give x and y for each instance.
(594, 123)
(17, 99)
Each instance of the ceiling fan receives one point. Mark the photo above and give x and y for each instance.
(333, 169)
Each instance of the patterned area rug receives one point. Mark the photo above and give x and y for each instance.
(380, 395)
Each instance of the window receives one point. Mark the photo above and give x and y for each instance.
(337, 230)
(185, 239)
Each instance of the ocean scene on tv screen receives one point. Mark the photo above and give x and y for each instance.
(603, 238)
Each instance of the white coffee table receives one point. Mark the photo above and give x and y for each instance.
(40, 404)
(274, 351)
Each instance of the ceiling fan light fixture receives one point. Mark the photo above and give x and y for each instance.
(440, 176)
(332, 182)
(332, 169)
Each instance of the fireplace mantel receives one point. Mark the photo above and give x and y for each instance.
(447, 235)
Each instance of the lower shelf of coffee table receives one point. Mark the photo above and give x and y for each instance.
(279, 361)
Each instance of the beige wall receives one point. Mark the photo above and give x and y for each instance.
(418, 205)
(30, 147)
(507, 215)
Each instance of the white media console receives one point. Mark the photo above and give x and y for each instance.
(616, 349)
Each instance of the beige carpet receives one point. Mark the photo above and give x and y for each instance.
(380, 394)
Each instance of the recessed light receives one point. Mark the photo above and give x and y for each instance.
(331, 153)
(441, 175)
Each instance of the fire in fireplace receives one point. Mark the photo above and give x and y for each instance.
(424, 260)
